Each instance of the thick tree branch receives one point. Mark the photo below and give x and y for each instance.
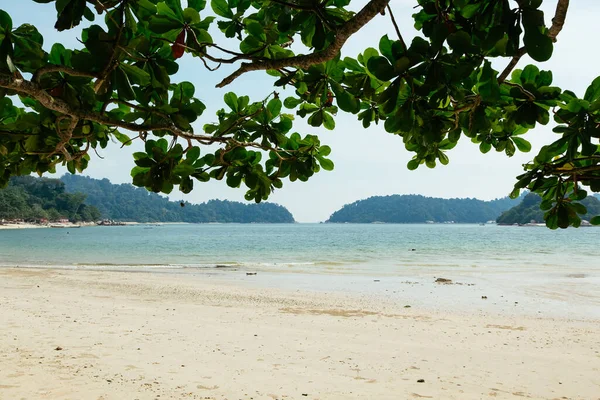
(34, 91)
(559, 19)
(353, 25)
(557, 24)
(65, 137)
(48, 69)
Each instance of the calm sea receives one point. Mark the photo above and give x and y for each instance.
(525, 269)
(329, 248)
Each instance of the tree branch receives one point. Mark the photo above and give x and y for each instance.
(396, 27)
(557, 24)
(343, 33)
(559, 19)
(50, 68)
(512, 64)
(34, 91)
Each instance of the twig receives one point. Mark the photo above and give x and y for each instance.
(396, 27)
(512, 64)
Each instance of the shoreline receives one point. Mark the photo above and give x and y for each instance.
(139, 335)
(524, 292)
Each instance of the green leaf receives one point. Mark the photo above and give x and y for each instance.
(328, 121)
(220, 7)
(231, 100)
(538, 46)
(485, 147)
(124, 139)
(136, 75)
(324, 151)
(345, 100)
(161, 24)
(385, 46)
(292, 102)
(164, 10)
(197, 5)
(381, 68)
(316, 119)
(326, 163)
(522, 144)
(595, 220)
(593, 91)
(191, 16)
(193, 154)
(70, 13)
(413, 164)
(460, 41)
(274, 107)
(124, 88)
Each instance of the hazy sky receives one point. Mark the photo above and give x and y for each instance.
(367, 162)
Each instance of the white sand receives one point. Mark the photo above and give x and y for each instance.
(22, 226)
(141, 336)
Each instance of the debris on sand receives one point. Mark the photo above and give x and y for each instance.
(444, 281)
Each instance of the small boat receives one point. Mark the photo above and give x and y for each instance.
(65, 226)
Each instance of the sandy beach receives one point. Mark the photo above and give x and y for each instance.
(123, 335)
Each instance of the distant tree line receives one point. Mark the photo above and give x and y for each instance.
(124, 202)
(419, 209)
(35, 199)
(529, 210)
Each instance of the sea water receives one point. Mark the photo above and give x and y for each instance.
(532, 268)
(371, 249)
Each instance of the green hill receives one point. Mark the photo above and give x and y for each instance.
(418, 209)
(35, 199)
(529, 210)
(124, 202)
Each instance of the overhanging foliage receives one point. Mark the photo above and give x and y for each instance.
(430, 92)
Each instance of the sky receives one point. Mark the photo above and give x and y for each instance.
(368, 162)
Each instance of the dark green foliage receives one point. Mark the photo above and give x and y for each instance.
(431, 92)
(529, 210)
(419, 209)
(33, 199)
(127, 203)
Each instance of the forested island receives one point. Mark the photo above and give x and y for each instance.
(83, 199)
(125, 202)
(528, 211)
(41, 200)
(420, 209)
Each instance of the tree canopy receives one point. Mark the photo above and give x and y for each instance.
(125, 202)
(58, 106)
(529, 210)
(34, 199)
(407, 209)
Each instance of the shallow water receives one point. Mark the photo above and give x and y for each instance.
(317, 248)
(520, 269)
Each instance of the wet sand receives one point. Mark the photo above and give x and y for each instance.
(121, 335)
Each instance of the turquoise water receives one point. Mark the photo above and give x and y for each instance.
(529, 270)
(317, 248)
